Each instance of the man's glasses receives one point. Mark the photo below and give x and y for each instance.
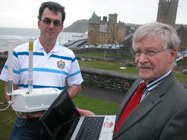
(48, 21)
(148, 52)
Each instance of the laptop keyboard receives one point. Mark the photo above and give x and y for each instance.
(90, 128)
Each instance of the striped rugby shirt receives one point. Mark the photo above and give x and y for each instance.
(53, 69)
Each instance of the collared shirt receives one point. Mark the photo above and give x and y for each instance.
(54, 69)
(153, 84)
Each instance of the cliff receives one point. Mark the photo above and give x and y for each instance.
(79, 26)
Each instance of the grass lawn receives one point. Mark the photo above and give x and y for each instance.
(104, 54)
(6, 117)
(181, 77)
(96, 105)
(112, 66)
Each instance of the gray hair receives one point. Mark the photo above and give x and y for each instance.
(167, 33)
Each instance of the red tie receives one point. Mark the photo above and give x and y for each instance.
(134, 101)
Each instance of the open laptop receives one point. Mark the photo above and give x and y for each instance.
(62, 121)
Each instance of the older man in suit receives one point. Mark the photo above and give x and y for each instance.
(159, 110)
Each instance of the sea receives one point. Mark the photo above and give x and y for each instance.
(17, 36)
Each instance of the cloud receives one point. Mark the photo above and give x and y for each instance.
(23, 13)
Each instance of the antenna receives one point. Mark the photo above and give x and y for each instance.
(10, 68)
(30, 69)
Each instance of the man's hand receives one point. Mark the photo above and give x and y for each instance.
(83, 112)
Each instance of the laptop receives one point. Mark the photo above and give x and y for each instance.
(62, 121)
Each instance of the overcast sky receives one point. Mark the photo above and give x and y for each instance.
(23, 13)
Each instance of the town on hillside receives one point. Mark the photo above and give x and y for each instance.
(107, 32)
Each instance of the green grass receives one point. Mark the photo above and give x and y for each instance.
(7, 117)
(103, 54)
(97, 106)
(112, 66)
(181, 77)
(116, 67)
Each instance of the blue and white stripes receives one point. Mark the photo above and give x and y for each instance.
(53, 69)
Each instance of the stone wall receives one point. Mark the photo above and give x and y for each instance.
(107, 79)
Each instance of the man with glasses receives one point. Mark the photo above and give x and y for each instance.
(157, 110)
(54, 66)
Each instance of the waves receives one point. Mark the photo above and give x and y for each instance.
(15, 36)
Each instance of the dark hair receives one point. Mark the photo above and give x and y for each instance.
(53, 6)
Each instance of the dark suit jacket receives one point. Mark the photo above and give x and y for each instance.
(162, 115)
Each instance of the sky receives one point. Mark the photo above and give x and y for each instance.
(23, 13)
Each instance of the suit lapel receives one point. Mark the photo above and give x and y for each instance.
(152, 100)
(142, 109)
(127, 98)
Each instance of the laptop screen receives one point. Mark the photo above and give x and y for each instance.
(61, 117)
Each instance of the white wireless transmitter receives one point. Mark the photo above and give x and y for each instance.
(32, 100)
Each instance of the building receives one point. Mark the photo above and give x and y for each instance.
(167, 11)
(103, 31)
(182, 33)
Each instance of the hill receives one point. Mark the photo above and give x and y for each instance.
(79, 26)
